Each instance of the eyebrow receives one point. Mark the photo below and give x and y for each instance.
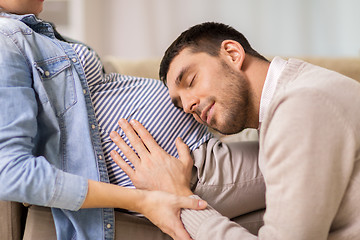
(181, 75)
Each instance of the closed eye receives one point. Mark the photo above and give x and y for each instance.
(192, 81)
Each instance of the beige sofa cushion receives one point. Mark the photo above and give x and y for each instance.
(348, 66)
(148, 68)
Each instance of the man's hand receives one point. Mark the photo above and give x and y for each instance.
(155, 169)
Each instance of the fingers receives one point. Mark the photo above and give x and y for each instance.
(176, 229)
(122, 164)
(191, 203)
(128, 152)
(134, 139)
(145, 136)
(184, 153)
(180, 232)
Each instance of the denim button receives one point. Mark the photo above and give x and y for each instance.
(108, 225)
(74, 60)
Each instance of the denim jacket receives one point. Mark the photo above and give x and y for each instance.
(49, 138)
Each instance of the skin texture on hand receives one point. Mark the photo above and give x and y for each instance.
(155, 169)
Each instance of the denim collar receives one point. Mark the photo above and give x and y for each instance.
(33, 22)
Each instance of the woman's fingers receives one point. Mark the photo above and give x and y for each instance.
(192, 203)
(179, 232)
(164, 210)
(176, 228)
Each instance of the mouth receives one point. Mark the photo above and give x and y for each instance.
(207, 114)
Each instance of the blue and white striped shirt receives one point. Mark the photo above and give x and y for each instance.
(116, 96)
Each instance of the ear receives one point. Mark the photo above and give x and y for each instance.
(234, 52)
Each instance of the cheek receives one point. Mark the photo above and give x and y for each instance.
(208, 83)
(214, 82)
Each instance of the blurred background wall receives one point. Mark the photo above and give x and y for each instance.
(136, 29)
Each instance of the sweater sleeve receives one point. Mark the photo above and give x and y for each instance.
(209, 224)
(308, 156)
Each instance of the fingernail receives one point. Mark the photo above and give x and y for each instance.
(132, 121)
(122, 121)
(202, 203)
(112, 153)
(113, 135)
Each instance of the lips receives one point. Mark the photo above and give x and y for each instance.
(207, 113)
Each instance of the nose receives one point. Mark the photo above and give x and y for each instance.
(190, 103)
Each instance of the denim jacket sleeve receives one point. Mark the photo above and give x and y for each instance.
(26, 176)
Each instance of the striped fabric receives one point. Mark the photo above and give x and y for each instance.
(116, 96)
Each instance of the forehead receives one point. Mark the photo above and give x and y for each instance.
(178, 63)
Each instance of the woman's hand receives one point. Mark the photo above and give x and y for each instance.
(155, 169)
(163, 209)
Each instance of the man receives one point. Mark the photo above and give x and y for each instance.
(309, 126)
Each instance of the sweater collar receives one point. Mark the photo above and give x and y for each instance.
(276, 67)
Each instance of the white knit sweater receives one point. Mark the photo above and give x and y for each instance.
(309, 155)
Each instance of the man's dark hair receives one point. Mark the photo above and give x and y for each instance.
(205, 37)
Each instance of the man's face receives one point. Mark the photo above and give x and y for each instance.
(214, 92)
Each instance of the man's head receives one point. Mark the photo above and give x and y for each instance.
(203, 69)
(206, 37)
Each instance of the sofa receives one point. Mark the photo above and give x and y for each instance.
(13, 215)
